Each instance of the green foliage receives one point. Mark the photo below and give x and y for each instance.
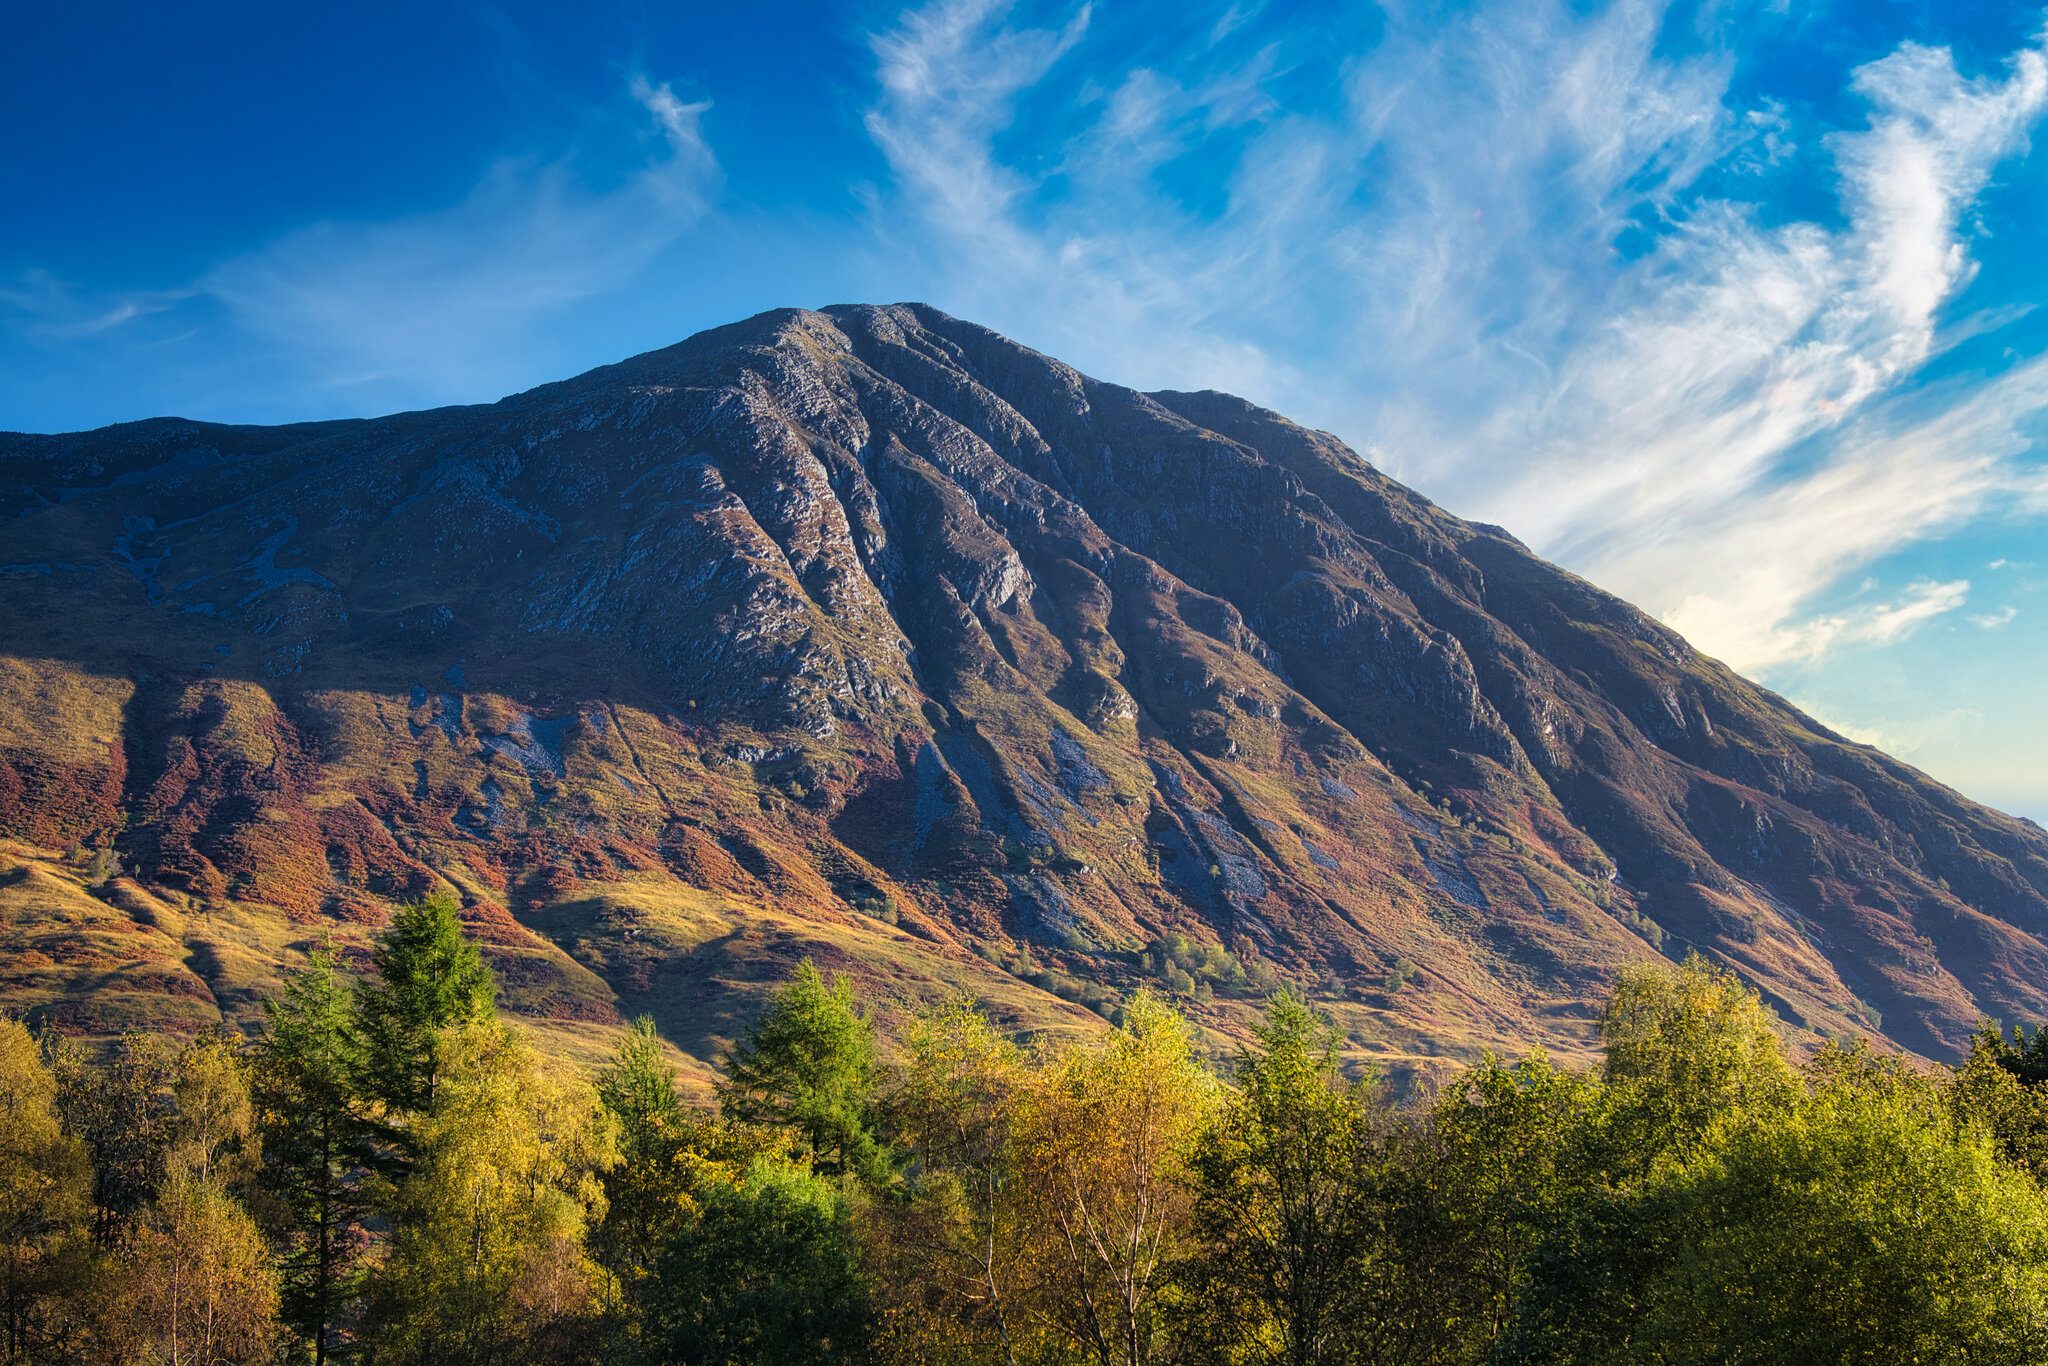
(1291, 1261)
(1690, 1053)
(2003, 1087)
(648, 1191)
(487, 1259)
(45, 1197)
(1857, 1227)
(125, 1112)
(1186, 968)
(1686, 1047)
(2025, 1055)
(1501, 1169)
(1696, 1198)
(809, 1066)
(665, 1153)
(429, 978)
(767, 1274)
(312, 1114)
(196, 1283)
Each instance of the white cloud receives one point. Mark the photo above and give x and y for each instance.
(950, 74)
(46, 308)
(438, 301)
(1992, 621)
(1487, 265)
(1706, 616)
(1737, 576)
(1675, 442)
(1873, 736)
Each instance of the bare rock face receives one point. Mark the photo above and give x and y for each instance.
(870, 634)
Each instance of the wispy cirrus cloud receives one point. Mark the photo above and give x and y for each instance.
(1738, 419)
(443, 305)
(950, 75)
(53, 310)
(1487, 257)
(440, 302)
(1738, 571)
(1994, 621)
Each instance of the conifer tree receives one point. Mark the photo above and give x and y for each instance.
(648, 1193)
(2003, 1086)
(809, 1065)
(311, 1113)
(429, 976)
(768, 1274)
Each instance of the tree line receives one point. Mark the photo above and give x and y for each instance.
(386, 1173)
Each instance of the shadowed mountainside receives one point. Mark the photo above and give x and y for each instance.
(870, 634)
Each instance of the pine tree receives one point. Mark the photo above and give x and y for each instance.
(648, 1194)
(316, 1145)
(809, 1065)
(429, 977)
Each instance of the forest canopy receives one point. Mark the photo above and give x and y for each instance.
(387, 1173)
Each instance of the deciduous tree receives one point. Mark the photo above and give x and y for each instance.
(1857, 1227)
(1292, 1262)
(768, 1274)
(197, 1286)
(488, 1258)
(1104, 1145)
(45, 1184)
(954, 1244)
(124, 1108)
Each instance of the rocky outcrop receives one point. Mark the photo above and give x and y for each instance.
(869, 632)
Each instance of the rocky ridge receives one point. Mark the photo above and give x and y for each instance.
(871, 634)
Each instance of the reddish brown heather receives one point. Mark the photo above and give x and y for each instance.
(869, 634)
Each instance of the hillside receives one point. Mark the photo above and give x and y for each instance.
(869, 634)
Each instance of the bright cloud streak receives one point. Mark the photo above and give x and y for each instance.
(1671, 289)
(1710, 426)
(440, 300)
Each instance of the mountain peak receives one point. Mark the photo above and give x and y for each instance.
(868, 632)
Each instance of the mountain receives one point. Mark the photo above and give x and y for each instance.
(870, 634)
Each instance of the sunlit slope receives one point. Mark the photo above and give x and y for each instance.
(871, 635)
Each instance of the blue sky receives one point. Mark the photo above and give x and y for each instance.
(1728, 306)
